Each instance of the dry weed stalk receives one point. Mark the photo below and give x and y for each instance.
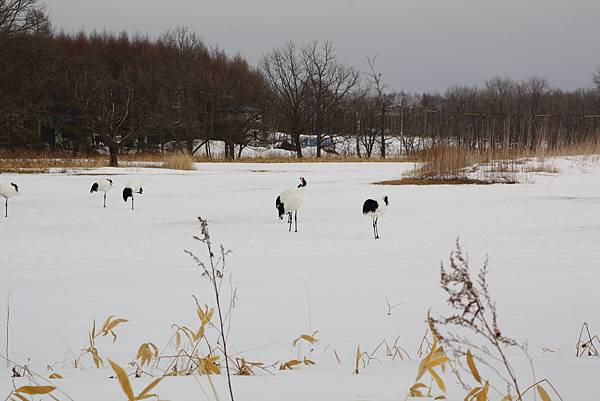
(474, 312)
(585, 344)
(214, 271)
(471, 332)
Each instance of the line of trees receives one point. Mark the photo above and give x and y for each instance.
(85, 92)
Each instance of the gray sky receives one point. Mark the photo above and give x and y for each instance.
(421, 44)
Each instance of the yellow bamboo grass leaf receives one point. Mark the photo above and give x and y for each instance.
(199, 334)
(205, 315)
(357, 359)
(146, 353)
(96, 358)
(474, 391)
(425, 361)
(55, 376)
(209, 367)
(507, 398)
(438, 380)
(106, 322)
(437, 361)
(20, 397)
(543, 394)
(289, 365)
(146, 391)
(177, 339)
(308, 361)
(31, 390)
(92, 333)
(309, 338)
(440, 397)
(414, 390)
(123, 380)
(154, 348)
(483, 395)
(115, 323)
(472, 367)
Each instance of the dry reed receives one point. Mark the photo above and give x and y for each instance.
(179, 161)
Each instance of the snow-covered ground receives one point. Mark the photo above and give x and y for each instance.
(65, 260)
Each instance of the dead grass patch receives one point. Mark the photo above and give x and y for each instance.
(179, 161)
(434, 181)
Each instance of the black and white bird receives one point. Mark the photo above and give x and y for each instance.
(289, 201)
(102, 186)
(375, 209)
(133, 187)
(8, 191)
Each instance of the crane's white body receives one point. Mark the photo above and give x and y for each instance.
(8, 191)
(292, 199)
(289, 202)
(105, 185)
(135, 185)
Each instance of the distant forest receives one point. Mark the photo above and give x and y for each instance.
(85, 92)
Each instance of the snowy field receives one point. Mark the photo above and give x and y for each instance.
(65, 261)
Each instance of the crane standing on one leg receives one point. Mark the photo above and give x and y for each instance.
(133, 187)
(102, 186)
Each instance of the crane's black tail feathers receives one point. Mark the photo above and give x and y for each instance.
(127, 193)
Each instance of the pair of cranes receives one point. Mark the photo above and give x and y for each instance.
(289, 202)
(133, 187)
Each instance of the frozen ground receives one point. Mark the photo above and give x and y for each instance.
(65, 261)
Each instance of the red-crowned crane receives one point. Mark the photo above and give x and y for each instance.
(133, 187)
(375, 209)
(102, 186)
(289, 201)
(8, 191)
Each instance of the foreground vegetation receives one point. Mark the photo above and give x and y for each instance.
(454, 348)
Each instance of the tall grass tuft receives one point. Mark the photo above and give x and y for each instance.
(179, 161)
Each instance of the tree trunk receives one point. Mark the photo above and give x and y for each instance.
(319, 138)
(383, 132)
(298, 145)
(113, 151)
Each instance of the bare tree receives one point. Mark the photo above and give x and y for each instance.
(596, 78)
(288, 82)
(384, 99)
(20, 16)
(330, 84)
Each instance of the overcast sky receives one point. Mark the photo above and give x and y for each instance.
(420, 44)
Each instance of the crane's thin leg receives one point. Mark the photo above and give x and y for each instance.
(290, 221)
(105, 199)
(376, 229)
(132, 202)
(6, 207)
(374, 234)
(296, 221)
